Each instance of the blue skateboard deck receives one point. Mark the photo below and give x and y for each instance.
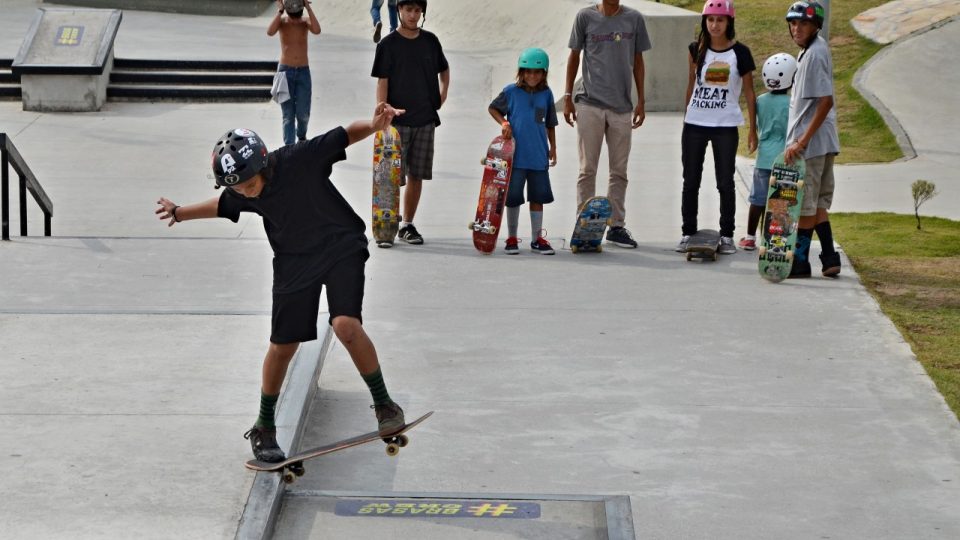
(592, 222)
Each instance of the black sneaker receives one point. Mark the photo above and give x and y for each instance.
(410, 235)
(799, 270)
(621, 237)
(389, 418)
(376, 32)
(831, 264)
(263, 441)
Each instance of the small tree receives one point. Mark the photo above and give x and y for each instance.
(923, 191)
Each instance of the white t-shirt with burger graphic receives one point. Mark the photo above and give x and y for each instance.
(716, 93)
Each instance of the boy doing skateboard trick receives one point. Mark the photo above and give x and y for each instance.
(317, 240)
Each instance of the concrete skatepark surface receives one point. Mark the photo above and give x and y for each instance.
(131, 368)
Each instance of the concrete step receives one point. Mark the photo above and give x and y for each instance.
(155, 92)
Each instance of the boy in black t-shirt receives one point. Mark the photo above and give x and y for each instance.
(317, 240)
(413, 74)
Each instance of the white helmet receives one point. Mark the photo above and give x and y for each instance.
(778, 71)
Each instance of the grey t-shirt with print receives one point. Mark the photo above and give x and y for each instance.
(609, 45)
(814, 80)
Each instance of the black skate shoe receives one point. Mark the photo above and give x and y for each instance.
(263, 441)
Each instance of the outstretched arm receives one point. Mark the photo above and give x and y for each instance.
(202, 210)
(383, 115)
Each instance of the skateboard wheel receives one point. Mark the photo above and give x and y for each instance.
(714, 256)
(800, 184)
(762, 251)
(472, 226)
(689, 257)
(599, 249)
(773, 181)
(393, 449)
(288, 477)
(790, 256)
(493, 230)
(574, 249)
(403, 440)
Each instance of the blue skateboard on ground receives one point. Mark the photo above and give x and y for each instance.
(592, 222)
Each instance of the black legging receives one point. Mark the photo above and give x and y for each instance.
(693, 143)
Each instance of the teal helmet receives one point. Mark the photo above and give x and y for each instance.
(534, 58)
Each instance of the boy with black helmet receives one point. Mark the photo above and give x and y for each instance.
(812, 135)
(317, 240)
(413, 74)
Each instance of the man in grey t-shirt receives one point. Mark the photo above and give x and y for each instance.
(812, 136)
(612, 39)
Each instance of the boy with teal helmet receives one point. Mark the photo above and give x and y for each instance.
(526, 112)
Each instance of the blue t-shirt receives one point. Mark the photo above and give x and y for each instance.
(772, 112)
(530, 114)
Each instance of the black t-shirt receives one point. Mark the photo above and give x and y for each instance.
(308, 222)
(412, 66)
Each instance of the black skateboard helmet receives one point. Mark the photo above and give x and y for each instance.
(238, 156)
(421, 3)
(806, 11)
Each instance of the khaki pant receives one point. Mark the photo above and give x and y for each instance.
(593, 125)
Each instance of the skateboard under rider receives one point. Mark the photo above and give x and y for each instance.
(781, 219)
(703, 244)
(497, 166)
(292, 467)
(592, 221)
(387, 171)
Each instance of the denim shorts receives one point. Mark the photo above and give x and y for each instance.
(538, 187)
(761, 186)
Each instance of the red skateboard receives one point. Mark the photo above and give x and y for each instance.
(497, 167)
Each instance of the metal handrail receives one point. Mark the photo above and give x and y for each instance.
(9, 156)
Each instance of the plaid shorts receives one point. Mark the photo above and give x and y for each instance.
(417, 148)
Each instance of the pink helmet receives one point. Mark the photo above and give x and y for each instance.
(719, 7)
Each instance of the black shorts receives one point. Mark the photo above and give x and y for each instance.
(295, 314)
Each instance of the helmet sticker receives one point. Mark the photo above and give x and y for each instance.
(228, 164)
(244, 132)
(246, 151)
(231, 179)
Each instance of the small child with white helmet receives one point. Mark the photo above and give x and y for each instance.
(526, 112)
(773, 108)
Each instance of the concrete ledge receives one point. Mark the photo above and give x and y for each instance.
(266, 494)
(229, 8)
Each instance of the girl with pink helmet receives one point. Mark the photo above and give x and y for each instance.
(721, 71)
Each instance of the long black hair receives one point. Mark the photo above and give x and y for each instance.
(703, 41)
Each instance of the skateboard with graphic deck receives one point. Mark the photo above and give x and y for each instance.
(292, 467)
(703, 244)
(497, 166)
(386, 186)
(592, 222)
(781, 219)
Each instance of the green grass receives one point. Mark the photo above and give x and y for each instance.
(864, 137)
(915, 277)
